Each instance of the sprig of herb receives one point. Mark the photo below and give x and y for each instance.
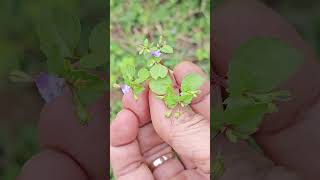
(158, 77)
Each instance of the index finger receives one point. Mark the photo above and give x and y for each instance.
(201, 104)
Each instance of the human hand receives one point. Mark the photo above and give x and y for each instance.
(141, 133)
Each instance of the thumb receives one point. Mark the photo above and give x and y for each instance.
(188, 135)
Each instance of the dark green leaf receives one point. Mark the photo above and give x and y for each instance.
(261, 64)
(246, 118)
(99, 37)
(92, 91)
(128, 72)
(59, 35)
(93, 60)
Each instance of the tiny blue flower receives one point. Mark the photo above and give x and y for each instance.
(49, 86)
(156, 53)
(125, 88)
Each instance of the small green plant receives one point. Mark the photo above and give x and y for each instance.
(257, 68)
(158, 76)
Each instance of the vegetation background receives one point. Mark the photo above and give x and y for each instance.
(21, 103)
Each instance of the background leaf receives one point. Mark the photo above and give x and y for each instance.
(92, 60)
(166, 49)
(59, 34)
(98, 38)
(261, 64)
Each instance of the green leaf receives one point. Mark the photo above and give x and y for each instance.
(137, 89)
(151, 62)
(92, 91)
(262, 64)
(166, 49)
(143, 75)
(191, 82)
(186, 98)
(245, 118)
(59, 35)
(69, 28)
(238, 101)
(156, 59)
(171, 99)
(128, 72)
(160, 86)
(99, 38)
(92, 60)
(88, 87)
(146, 43)
(158, 71)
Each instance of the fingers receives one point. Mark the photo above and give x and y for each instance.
(190, 175)
(189, 134)
(153, 147)
(200, 104)
(126, 159)
(139, 106)
(52, 165)
(124, 129)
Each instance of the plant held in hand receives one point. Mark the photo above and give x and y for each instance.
(158, 77)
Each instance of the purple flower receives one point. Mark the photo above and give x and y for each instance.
(156, 53)
(49, 86)
(125, 88)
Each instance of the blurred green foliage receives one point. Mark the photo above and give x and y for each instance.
(184, 24)
(20, 50)
(16, 150)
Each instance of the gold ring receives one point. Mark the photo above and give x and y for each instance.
(160, 160)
